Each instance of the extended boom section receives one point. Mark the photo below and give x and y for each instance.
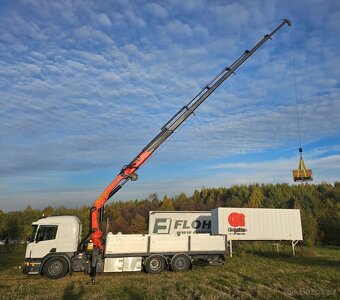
(129, 171)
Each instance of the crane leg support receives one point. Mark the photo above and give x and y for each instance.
(93, 265)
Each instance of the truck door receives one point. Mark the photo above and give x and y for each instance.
(45, 241)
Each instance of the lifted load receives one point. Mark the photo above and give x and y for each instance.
(302, 174)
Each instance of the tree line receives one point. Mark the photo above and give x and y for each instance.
(319, 205)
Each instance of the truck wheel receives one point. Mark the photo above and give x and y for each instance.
(55, 268)
(180, 262)
(155, 264)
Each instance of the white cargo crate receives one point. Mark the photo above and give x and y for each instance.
(257, 223)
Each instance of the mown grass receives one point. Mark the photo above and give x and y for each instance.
(255, 271)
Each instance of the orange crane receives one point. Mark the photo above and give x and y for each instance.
(128, 172)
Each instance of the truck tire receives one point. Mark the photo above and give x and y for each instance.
(180, 262)
(55, 268)
(155, 264)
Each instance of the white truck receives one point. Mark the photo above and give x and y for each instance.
(53, 250)
(56, 246)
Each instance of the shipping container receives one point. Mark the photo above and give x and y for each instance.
(256, 224)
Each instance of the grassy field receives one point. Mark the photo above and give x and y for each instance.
(255, 271)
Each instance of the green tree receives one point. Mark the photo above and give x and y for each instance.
(12, 226)
(309, 228)
(234, 202)
(167, 204)
(2, 224)
(48, 211)
(138, 224)
(256, 198)
(120, 225)
(329, 224)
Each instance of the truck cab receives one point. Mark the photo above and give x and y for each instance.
(53, 242)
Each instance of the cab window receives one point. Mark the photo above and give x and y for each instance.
(34, 231)
(46, 233)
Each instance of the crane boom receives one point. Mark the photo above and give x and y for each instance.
(128, 172)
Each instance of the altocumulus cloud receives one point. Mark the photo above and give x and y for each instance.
(84, 85)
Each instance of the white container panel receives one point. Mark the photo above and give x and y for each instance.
(168, 243)
(132, 244)
(179, 222)
(132, 264)
(126, 244)
(257, 223)
(113, 264)
(123, 264)
(203, 242)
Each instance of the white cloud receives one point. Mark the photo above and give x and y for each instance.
(134, 19)
(177, 28)
(157, 10)
(110, 77)
(90, 35)
(85, 85)
(233, 14)
(104, 20)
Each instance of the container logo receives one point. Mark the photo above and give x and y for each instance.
(237, 222)
(162, 226)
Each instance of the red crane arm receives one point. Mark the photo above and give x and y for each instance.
(129, 171)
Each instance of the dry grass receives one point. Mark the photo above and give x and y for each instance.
(256, 271)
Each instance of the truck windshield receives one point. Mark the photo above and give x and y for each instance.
(46, 233)
(34, 231)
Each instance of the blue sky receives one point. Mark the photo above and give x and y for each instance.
(85, 85)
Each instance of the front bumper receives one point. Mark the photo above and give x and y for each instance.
(31, 266)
